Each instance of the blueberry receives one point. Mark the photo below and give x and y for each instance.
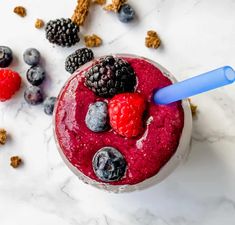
(97, 116)
(109, 164)
(31, 56)
(35, 75)
(33, 95)
(49, 104)
(5, 56)
(126, 13)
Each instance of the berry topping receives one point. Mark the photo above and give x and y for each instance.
(109, 164)
(126, 13)
(49, 104)
(111, 76)
(9, 83)
(97, 116)
(126, 114)
(62, 32)
(33, 95)
(31, 56)
(35, 75)
(5, 56)
(78, 58)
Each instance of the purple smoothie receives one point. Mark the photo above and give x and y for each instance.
(146, 154)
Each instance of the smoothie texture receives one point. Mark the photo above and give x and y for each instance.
(144, 154)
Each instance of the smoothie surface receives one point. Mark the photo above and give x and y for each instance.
(146, 154)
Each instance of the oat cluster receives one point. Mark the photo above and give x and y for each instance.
(152, 40)
(81, 12)
(115, 5)
(92, 40)
(20, 10)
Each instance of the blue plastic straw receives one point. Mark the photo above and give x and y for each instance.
(195, 85)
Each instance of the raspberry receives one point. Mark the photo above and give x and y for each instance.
(9, 83)
(126, 114)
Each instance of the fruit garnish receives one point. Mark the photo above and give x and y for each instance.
(97, 117)
(126, 114)
(111, 76)
(109, 164)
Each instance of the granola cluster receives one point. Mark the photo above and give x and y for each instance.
(3, 136)
(39, 24)
(81, 12)
(20, 10)
(115, 5)
(92, 40)
(152, 40)
(15, 161)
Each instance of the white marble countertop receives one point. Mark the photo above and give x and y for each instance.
(197, 36)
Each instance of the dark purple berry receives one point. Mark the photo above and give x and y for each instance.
(109, 164)
(97, 117)
(77, 59)
(33, 95)
(5, 56)
(49, 104)
(110, 76)
(126, 13)
(35, 75)
(32, 56)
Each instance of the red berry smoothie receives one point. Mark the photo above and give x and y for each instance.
(146, 154)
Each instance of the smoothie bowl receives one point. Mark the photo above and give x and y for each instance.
(111, 134)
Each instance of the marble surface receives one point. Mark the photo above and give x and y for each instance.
(196, 36)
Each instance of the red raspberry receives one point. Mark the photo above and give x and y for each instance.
(9, 83)
(126, 114)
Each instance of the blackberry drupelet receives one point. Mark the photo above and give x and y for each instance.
(111, 76)
(77, 59)
(62, 32)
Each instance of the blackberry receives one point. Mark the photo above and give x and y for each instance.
(110, 76)
(109, 164)
(5, 56)
(77, 59)
(62, 32)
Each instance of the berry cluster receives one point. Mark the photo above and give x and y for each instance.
(113, 78)
(36, 75)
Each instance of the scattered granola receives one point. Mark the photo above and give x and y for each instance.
(99, 2)
(115, 5)
(15, 161)
(81, 12)
(39, 24)
(193, 108)
(92, 40)
(152, 40)
(20, 10)
(3, 136)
